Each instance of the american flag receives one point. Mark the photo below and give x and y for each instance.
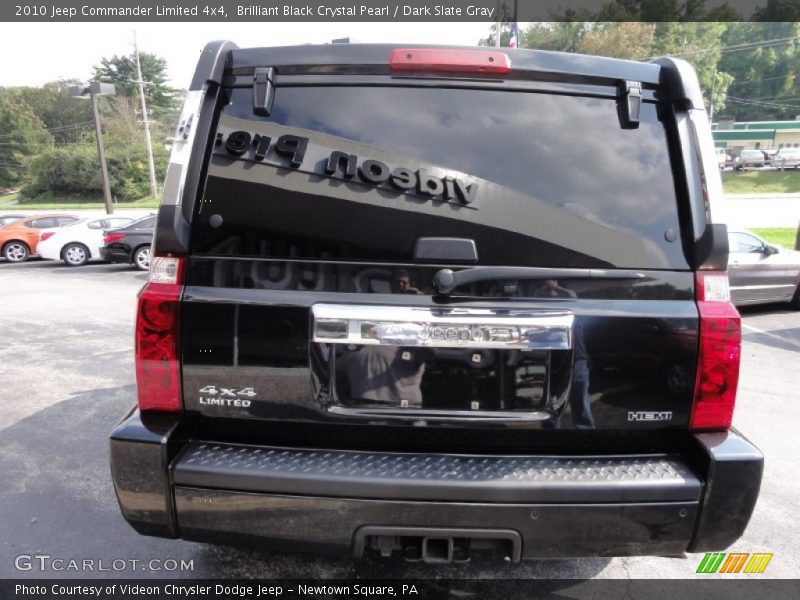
(513, 41)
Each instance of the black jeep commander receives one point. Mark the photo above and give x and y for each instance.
(433, 299)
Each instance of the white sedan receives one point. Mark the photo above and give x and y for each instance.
(78, 243)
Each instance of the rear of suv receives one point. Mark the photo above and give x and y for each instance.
(386, 314)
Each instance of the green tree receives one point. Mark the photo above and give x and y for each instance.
(563, 36)
(631, 40)
(74, 170)
(764, 61)
(644, 10)
(121, 71)
(22, 134)
(778, 11)
(701, 44)
(662, 11)
(67, 118)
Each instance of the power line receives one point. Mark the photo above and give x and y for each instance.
(759, 80)
(60, 128)
(771, 97)
(763, 104)
(737, 47)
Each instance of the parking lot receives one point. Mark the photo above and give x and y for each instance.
(66, 365)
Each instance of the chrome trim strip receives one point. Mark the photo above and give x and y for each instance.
(763, 287)
(419, 414)
(442, 327)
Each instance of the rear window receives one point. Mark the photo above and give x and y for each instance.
(143, 223)
(533, 178)
(44, 223)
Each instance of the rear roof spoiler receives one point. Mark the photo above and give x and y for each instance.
(679, 83)
(211, 66)
(553, 66)
(676, 76)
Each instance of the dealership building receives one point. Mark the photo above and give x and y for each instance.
(766, 135)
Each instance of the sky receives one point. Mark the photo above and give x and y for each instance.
(69, 50)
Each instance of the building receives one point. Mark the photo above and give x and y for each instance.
(764, 135)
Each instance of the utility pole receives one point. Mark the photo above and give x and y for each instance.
(150, 164)
(711, 108)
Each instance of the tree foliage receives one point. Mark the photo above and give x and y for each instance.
(47, 137)
(765, 76)
(630, 40)
(22, 134)
(74, 169)
(121, 71)
(748, 70)
(65, 117)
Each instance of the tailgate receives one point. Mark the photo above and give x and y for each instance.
(323, 227)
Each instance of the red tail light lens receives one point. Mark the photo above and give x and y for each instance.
(45, 235)
(110, 238)
(158, 374)
(433, 60)
(719, 354)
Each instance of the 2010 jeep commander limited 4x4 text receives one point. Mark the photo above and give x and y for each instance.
(391, 308)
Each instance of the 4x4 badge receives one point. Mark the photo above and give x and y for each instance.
(212, 395)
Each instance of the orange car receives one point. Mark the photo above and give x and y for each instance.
(19, 240)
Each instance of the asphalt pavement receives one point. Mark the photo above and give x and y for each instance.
(66, 367)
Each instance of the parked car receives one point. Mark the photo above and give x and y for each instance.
(78, 243)
(20, 239)
(786, 157)
(8, 219)
(724, 159)
(749, 159)
(373, 315)
(130, 244)
(760, 272)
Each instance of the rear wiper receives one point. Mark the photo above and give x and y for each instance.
(446, 280)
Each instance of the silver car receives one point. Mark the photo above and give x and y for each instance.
(786, 157)
(747, 159)
(760, 272)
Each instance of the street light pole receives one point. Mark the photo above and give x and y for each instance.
(94, 89)
(101, 151)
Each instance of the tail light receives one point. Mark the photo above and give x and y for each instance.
(45, 235)
(158, 374)
(110, 238)
(719, 354)
(434, 60)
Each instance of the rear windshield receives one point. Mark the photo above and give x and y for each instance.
(142, 223)
(363, 172)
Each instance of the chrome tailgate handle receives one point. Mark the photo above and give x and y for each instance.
(442, 328)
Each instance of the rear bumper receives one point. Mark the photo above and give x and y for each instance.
(557, 506)
(47, 252)
(114, 255)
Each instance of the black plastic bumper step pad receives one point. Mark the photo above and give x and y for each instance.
(443, 477)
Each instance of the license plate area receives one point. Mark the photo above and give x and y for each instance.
(441, 363)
